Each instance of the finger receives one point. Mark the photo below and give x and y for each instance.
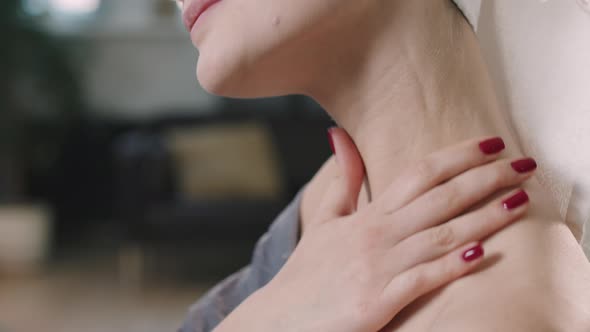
(342, 196)
(408, 286)
(439, 167)
(474, 226)
(450, 199)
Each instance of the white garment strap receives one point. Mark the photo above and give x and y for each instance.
(471, 10)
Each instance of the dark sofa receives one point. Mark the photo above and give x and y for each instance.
(159, 219)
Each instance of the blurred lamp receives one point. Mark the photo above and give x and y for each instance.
(75, 7)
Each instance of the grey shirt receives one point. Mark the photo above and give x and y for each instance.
(271, 252)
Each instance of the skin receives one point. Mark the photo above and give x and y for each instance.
(404, 79)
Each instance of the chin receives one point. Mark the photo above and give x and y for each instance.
(215, 76)
(233, 78)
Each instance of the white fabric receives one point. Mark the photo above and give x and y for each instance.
(539, 58)
(470, 9)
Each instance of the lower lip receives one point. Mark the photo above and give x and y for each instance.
(203, 14)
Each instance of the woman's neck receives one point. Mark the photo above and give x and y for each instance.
(421, 85)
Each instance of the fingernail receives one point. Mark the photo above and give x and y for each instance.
(516, 200)
(331, 140)
(524, 165)
(473, 253)
(492, 145)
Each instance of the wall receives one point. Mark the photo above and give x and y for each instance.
(135, 61)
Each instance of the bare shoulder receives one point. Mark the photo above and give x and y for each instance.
(535, 278)
(537, 283)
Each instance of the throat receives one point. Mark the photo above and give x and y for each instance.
(405, 126)
(428, 90)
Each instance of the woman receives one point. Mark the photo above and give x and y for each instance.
(404, 79)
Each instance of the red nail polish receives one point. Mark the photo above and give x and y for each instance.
(516, 200)
(492, 145)
(473, 253)
(524, 165)
(331, 140)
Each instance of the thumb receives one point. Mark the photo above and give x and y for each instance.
(342, 195)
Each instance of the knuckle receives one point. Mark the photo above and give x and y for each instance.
(447, 270)
(382, 208)
(372, 236)
(452, 190)
(336, 178)
(415, 281)
(498, 176)
(450, 194)
(443, 236)
(425, 169)
(361, 308)
(364, 308)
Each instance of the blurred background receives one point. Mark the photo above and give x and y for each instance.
(125, 189)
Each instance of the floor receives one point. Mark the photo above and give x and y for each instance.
(92, 297)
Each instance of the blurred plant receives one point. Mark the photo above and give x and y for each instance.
(39, 98)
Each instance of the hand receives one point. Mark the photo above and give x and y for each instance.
(349, 168)
(354, 271)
